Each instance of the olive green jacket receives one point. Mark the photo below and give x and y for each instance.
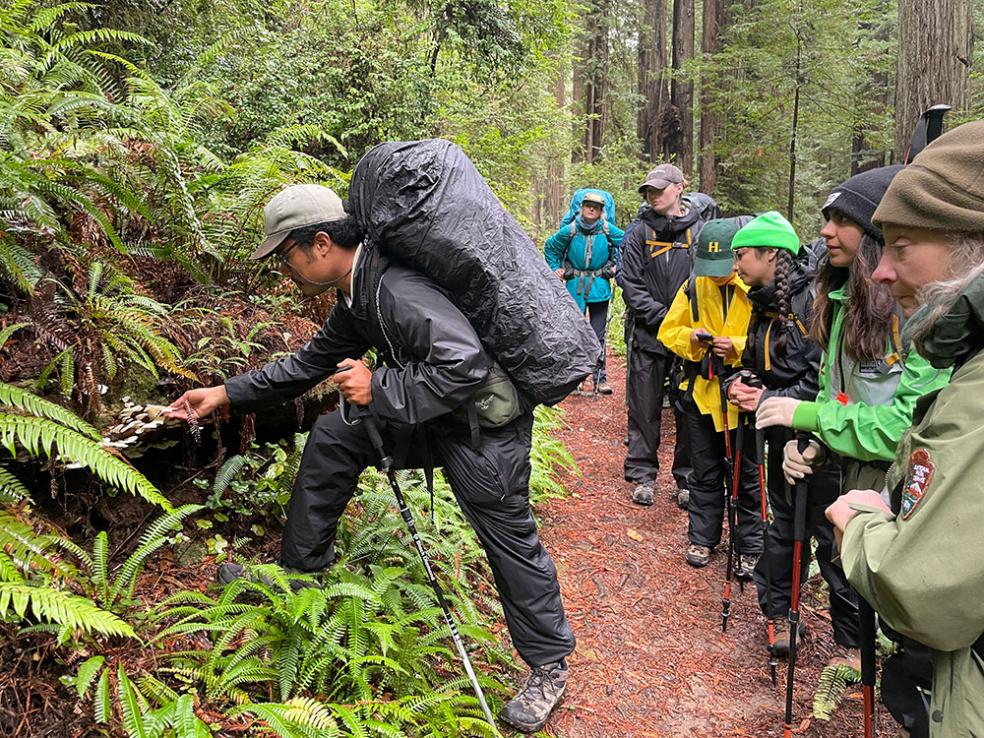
(923, 570)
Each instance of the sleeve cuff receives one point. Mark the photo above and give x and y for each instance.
(805, 416)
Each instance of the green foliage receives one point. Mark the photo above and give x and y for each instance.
(831, 688)
(116, 593)
(44, 429)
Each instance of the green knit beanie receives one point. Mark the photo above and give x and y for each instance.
(768, 231)
(943, 188)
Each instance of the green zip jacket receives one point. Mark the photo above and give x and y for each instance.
(923, 569)
(876, 399)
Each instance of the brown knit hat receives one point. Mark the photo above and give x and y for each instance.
(943, 188)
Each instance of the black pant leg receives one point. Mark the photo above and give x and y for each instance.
(750, 540)
(706, 508)
(824, 487)
(644, 398)
(334, 456)
(491, 484)
(777, 559)
(598, 317)
(682, 465)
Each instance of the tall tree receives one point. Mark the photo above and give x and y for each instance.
(936, 47)
(682, 88)
(713, 18)
(591, 77)
(652, 86)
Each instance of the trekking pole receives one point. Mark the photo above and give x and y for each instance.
(386, 464)
(799, 536)
(731, 492)
(764, 500)
(867, 633)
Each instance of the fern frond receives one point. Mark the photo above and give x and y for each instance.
(39, 435)
(20, 399)
(831, 688)
(12, 490)
(87, 673)
(60, 607)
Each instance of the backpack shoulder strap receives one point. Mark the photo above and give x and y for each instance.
(692, 296)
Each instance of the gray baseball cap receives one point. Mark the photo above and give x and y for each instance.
(297, 206)
(662, 177)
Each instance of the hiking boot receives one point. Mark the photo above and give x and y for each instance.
(846, 657)
(644, 493)
(698, 556)
(781, 647)
(229, 572)
(603, 388)
(682, 498)
(746, 566)
(529, 709)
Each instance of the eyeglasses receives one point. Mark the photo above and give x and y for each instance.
(283, 256)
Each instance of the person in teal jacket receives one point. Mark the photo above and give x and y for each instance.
(584, 254)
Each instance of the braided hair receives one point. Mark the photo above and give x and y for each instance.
(784, 263)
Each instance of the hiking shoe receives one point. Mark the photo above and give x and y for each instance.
(529, 709)
(781, 646)
(644, 493)
(746, 566)
(682, 498)
(698, 556)
(603, 388)
(229, 572)
(846, 657)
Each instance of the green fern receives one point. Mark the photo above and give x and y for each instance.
(40, 436)
(831, 688)
(59, 607)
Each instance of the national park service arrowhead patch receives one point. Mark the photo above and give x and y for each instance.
(917, 479)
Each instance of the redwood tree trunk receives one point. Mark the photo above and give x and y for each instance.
(935, 52)
(713, 14)
(652, 86)
(682, 91)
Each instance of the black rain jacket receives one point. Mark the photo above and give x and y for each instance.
(656, 260)
(793, 374)
(433, 359)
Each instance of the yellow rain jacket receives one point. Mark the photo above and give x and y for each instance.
(716, 318)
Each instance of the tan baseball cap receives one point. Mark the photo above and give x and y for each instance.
(297, 206)
(662, 177)
(593, 197)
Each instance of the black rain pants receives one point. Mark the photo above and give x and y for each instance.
(822, 489)
(645, 385)
(490, 483)
(707, 488)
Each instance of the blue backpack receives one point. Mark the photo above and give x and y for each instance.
(575, 207)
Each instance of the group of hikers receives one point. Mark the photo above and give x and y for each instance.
(831, 390)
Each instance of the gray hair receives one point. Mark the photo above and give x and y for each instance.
(966, 264)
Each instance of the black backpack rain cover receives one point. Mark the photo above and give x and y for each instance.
(425, 204)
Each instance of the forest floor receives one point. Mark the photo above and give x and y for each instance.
(651, 658)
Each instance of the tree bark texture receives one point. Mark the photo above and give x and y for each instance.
(681, 90)
(652, 83)
(934, 58)
(591, 78)
(713, 15)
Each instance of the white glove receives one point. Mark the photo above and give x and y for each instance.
(775, 411)
(796, 465)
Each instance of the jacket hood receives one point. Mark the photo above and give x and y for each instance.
(959, 334)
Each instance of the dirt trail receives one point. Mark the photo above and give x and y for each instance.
(651, 658)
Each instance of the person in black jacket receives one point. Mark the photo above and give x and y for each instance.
(433, 363)
(655, 262)
(785, 363)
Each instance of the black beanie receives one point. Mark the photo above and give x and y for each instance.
(858, 197)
